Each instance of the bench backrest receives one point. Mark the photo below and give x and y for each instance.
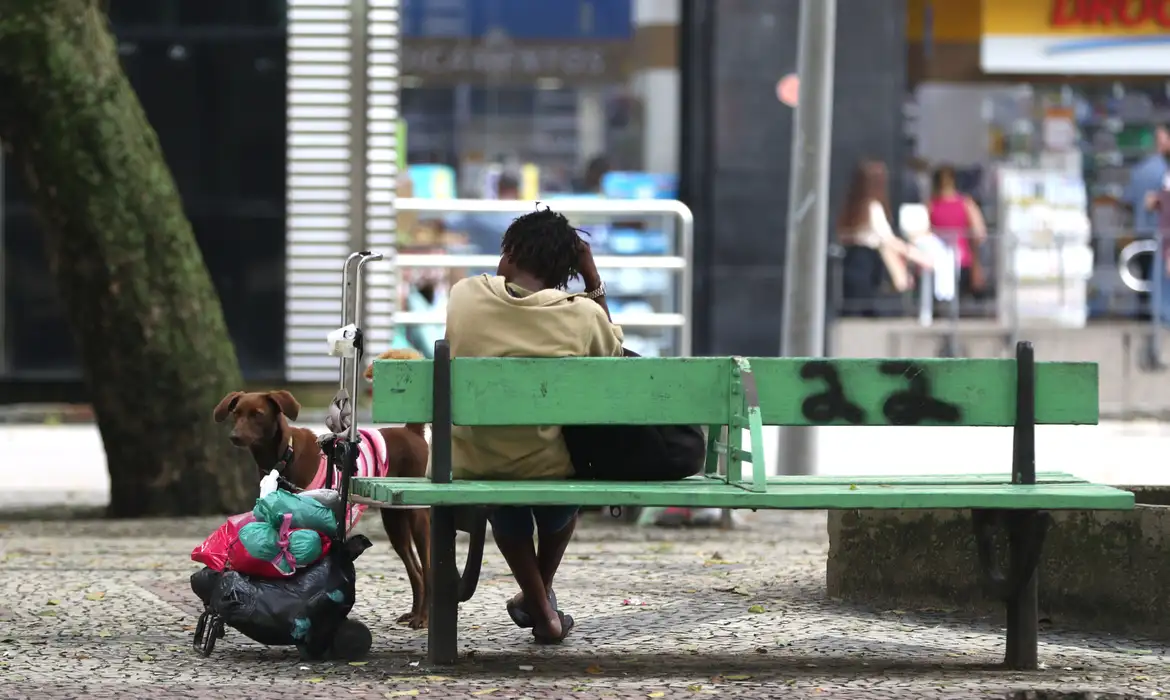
(711, 391)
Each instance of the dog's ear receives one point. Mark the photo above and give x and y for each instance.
(226, 406)
(286, 403)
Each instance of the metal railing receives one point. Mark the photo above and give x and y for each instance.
(1113, 266)
(1061, 282)
(677, 262)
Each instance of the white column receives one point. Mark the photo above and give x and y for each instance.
(322, 228)
(317, 235)
(659, 90)
(381, 290)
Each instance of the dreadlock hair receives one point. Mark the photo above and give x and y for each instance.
(543, 243)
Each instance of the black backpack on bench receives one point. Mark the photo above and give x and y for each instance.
(635, 452)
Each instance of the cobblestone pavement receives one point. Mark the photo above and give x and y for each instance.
(103, 610)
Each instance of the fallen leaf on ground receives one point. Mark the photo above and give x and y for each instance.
(737, 678)
(145, 657)
(656, 694)
(694, 688)
(358, 663)
(96, 595)
(104, 633)
(436, 679)
(402, 693)
(756, 609)
(316, 680)
(485, 691)
(594, 669)
(54, 602)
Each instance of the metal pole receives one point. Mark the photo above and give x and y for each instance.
(358, 155)
(803, 333)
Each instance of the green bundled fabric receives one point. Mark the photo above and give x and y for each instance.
(306, 512)
(262, 542)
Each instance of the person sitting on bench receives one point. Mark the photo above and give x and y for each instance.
(524, 311)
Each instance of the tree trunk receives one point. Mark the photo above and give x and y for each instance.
(149, 326)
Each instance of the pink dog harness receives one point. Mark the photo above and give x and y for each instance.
(372, 462)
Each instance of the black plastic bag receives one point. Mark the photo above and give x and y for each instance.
(305, 609)
(635, 452)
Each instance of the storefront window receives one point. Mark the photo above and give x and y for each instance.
(531, 100)
(1048, 116)
(502, 86)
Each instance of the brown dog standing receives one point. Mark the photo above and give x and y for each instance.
(260, 424)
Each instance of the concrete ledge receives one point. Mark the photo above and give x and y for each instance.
(1108, 570)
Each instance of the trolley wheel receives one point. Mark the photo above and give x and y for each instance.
(351, 642)
(214, 631)
(201, 629)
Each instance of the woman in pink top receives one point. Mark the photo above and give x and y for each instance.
(956, 219)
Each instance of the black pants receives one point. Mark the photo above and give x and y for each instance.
(863, 277)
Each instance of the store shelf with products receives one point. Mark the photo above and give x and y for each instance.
(642, 249)
(1046, 257)
(1097, 132)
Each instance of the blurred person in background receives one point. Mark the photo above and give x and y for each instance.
(595, 170)
(915, 181)
(1146, 182)
(956, 219)
(485, 230)
(873, 252)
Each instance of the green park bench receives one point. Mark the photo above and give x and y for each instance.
(749, 393)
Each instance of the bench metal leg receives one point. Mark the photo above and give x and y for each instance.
(1023, 601)
(443, 629)
(1025, 529)
(1018, 588)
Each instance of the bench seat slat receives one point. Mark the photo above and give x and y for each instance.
(926, 479)
(694, 390)
(699, 492)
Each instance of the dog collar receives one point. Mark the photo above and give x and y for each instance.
(286, 459)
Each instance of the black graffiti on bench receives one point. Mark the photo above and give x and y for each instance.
(915, 404)
(831, 404)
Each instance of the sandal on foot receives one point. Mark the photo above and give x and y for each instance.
(566, 627)
(521, 617)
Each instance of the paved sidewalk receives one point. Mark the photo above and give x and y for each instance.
(103, 610)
